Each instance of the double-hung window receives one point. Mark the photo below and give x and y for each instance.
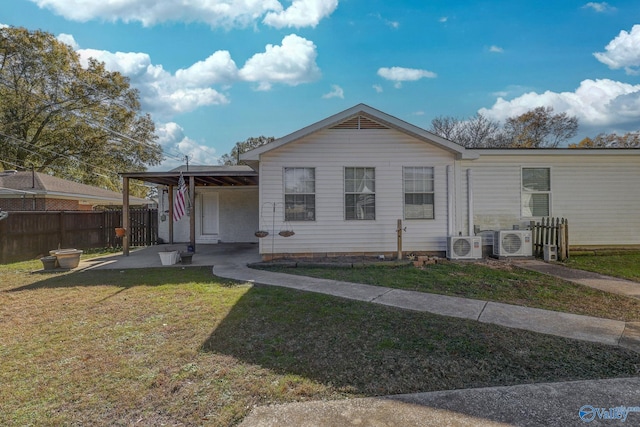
(418, 192)
(536, 192)
(359, 193)
(299, 194)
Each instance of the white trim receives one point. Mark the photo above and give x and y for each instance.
(550, 192)
(362, 109)
(488, 152)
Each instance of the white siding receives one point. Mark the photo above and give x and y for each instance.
(598, 194)
(329, 152)
(237, 210)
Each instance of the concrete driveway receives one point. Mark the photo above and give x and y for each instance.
(205, 255)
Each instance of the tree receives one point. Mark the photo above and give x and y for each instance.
(59, 117)
(612, 140)
(475, 132)
(540, 128)
(537, 128)
(243, 147)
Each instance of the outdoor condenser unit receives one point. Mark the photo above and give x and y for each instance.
(508, 243)
(464, 247)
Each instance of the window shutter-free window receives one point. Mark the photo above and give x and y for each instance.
(299, 194)
(536, 192)
(418, 192)
(360, 197)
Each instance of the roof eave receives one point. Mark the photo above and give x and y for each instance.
(363, 109)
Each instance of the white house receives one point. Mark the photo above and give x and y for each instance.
(343, 183)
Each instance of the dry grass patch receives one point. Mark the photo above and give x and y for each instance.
(181, 347)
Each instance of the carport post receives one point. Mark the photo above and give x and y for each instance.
(125, 215)
(192, 212)
(170, 195)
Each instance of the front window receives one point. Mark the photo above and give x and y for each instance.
(299, 194)
(360, 193)
(418, 192)
(536, 192)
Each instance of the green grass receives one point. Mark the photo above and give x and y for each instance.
(494, 281)
(180, 346)
(618, 264)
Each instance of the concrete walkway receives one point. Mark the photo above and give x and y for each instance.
(605, 331)
(600, 402)
(550, 405)
(586, 278)
(231, 260)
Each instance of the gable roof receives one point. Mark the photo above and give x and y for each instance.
(353, 118)
(37, 183)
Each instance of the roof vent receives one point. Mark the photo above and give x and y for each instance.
(359, 122)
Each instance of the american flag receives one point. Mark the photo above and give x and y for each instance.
(179, 205)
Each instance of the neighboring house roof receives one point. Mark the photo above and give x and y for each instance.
(36, 183)
(378, 118)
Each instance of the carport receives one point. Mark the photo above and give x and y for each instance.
(194, 176)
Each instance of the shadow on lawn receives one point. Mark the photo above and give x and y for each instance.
(122, 278)
(370, 349)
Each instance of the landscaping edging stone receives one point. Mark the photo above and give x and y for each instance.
(326, 264)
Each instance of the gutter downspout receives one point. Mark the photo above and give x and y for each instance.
(450, 198)
(470, 201)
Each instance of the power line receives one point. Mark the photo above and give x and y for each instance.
(179, 158)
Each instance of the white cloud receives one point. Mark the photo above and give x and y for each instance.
(419, 113)
(336, 92)
(393, 24)
(400, 74)
(600, 102)
(301, 13)
(496, 49)
(217, 68)
(161, 93)
(4, 26)
(164, 94)
(599, 7)
(68, 39)
(378, 88)
(173, 141)
(623, 51)
(217, 13)
(292, 63)
(443, 19)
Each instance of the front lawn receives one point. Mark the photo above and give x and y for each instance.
(618, 264)
(174, 346)
(490, 281)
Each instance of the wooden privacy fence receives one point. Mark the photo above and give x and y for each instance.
(26, 235)
(551, 231)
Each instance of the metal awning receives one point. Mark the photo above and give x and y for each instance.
(219, 178)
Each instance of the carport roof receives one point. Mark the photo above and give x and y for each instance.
(220, 176)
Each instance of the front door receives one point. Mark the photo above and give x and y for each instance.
(207, 230)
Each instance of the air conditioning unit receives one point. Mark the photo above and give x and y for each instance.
(464, 247)
(508, 243)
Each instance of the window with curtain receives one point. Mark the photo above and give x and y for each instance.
(299, 194)
(536, 192)
(418, 192)
(360, 193)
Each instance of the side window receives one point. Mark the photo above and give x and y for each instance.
(359, 193)
(299, 194)
(536, 192)
(418, 192)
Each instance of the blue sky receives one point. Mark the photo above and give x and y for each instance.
(215, 72)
